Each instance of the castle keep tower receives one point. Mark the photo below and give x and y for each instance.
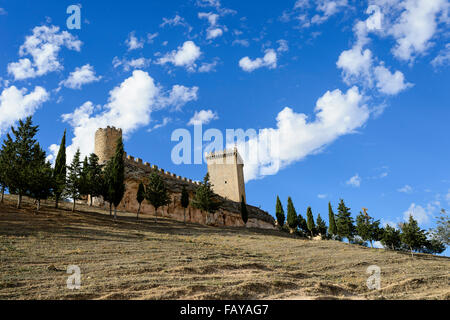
(105, 143)
(226, 172)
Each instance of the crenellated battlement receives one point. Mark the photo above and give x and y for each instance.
(147, 167)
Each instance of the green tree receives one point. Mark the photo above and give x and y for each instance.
(291, 215)
(279, 212)
(310, 221)
(244, 212)
(332, 229)
(412, 236)
(321, 227)
(106, 190)
(442, 230)
(5, 158)
(367, 228)
(184, 201)
(117, 187)
(391, 238)
(156, 192)
(84, 178)
(59, 172)
(344, 222)
(140, 196)
(433, 246)
(204, 197)
(302, 225)
(41, 182)
(94, 177)
(22, 155)
(73, 179)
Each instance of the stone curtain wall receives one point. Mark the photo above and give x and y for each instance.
(228, 215)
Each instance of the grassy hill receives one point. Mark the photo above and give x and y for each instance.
(131, 259)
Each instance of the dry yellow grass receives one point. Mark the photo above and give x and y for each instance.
(131, 259)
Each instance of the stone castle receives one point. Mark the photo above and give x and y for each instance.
(226, 170)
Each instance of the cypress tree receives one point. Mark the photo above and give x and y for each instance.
(303, 226)
(84, 178)
(140, 196)
(21, 152)
(412, 236)
(291, 215)
(117, 187)
(310, 221)
(244, 213)
(204, 197)
(184, 201)
(59, 172)
(344, 222)
(332, 229)
(156, 192)
(321, 226)
(106, 191)
(94, 177)
(391, 238)
(73, 179)
(279, 212)
(364, 227)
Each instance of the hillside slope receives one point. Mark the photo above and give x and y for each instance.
(131, 259)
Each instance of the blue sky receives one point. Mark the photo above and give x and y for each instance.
(355, 92)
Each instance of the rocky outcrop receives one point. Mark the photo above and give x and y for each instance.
(227, 215)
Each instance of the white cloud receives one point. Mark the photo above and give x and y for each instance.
(357, 64)
(390, 83)
(176, 21)
(43, 46)
(283, 45)
(202, 117)
(208, 67)
(165, 121)
(241, 42)
(151, 37)
(327, 8)
(354, 181)
(213, 30)
(416, 26)
(184, 56)
(81, 76)
(443, 58)
(129, 107)
(269, 60)
(178, 97)
(128, 65)
(133, 42)
(321, 196)
(419, 213)
(295, 137)
(3, 12)
(16, 104)
(406, 189)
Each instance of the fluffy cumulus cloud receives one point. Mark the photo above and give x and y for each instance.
(296, 136)
(358, 64)
(354, 181)
(133, 42)
(184, 56)
(413, 24)
(43, 46)
(423, 215)
(202, 117)
(16, 104)
(129, 107)
(81, 76)
(214, 30)
(269, 60)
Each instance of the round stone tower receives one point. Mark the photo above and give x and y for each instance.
(105, 143)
